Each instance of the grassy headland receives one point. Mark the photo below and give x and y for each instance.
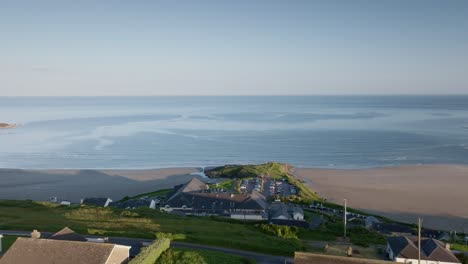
(273, 170)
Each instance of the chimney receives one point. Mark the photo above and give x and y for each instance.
(447, 246)
(35, 234)
(1, 236)
(350, 252)
(232, 195)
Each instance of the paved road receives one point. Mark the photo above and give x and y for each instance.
(136, 244)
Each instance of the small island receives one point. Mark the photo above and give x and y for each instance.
(5, 125)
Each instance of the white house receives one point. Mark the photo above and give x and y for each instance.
(298, 213)
(404, 249)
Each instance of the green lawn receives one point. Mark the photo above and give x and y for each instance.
(7, 241)
(198, 256)
(29, 215)
(461, 247)
(227, 184)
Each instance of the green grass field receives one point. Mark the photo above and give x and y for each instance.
(189, 256)
(29, 215)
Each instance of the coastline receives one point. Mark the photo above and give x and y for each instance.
(435, 192)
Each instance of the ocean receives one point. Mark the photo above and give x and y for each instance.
(305, 131)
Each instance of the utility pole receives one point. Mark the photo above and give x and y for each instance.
(419, 240)
(344, 217)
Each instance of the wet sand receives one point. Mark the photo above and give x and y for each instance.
(438, 193)
(75, 184)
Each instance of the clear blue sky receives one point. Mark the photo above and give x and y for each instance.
(233, 47)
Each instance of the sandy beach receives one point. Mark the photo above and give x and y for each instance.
(76, 184)
(438, 193)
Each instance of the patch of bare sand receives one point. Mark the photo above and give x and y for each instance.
(76, 184)
(439, 193)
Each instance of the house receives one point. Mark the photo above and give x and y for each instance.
(46, 251)
(370, 221)
(136, 203)
(404, 249)
(194, 197)
(439, 235)
(65, 203)
(307, 258)
(393, 229)
(68, 234)
(102, 202)
(298, 213)
(280, 211)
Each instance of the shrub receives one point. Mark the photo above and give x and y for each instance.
(150, 254)
(181, 257)
(280, 231)
(127, 213)
(362, 237)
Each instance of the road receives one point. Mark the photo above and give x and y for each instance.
(136, 244)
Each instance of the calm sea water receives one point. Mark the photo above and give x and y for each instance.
(152, 132)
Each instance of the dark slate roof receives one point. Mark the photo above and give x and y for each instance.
(194, 195)
(431, 249)
(95, 201)
(68, 234)
(298, 209)
(392, 228)
(279, 209)
(135, 203)
(307, 258)
(46, 251)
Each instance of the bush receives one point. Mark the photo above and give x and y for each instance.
(362, 237)
(150, 254)
(280, 231)
(181, 257)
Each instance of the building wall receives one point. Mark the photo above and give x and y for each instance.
(247, 217)
(415, 261)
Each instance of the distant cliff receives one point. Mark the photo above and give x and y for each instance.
(5, 125)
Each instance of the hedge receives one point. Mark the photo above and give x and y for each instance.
(151, 253)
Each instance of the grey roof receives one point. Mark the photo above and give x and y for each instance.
(95, 201)
(307, 258)
(194, 195)
(47, 251)
(431, 249)
(371, 220)
(279, 209)
(298, 210)
(392, 228)
(134, 203)
(68, 234)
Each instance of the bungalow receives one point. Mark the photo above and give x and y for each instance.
(370, 221)
(404, 249)
(393, 229)
(102, 202)
(137, 203)
(46, 251)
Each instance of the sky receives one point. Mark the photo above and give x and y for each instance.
(99, 48)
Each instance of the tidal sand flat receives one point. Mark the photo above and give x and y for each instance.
(75, 184)
(436, 192)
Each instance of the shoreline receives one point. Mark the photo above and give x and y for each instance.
(398, 192)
